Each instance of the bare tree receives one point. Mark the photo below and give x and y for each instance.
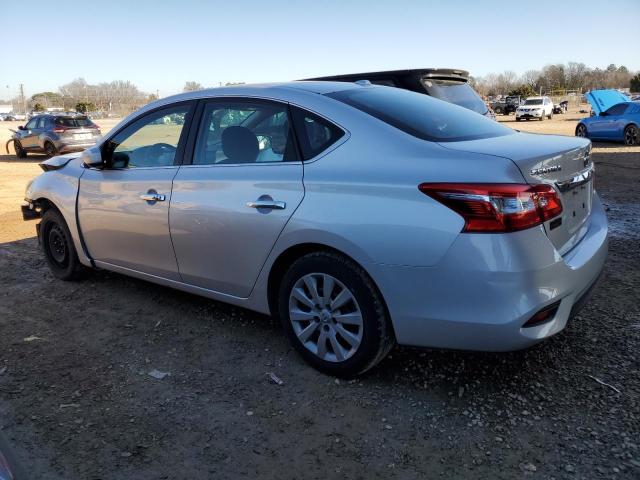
(192, 86)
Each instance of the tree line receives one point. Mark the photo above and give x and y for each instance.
(571, 76)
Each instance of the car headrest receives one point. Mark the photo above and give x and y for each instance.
(239, 145)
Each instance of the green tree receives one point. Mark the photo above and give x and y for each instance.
(634, 84)
(523, 90)
(38, 107)
(84, 107)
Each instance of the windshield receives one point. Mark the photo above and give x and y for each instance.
(456, 92)
(421, 115)
(534, 101)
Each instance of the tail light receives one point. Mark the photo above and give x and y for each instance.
(60, 129)
(490, 208)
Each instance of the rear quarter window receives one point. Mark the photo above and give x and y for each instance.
(421, 115)
(315, 134)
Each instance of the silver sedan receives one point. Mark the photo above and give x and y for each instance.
(359, 215)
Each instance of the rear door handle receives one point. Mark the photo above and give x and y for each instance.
(272, 204)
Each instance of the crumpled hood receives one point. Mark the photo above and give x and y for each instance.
(602, 100)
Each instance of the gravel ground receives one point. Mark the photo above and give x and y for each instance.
(77, 400)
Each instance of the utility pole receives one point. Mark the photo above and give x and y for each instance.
(22, 99)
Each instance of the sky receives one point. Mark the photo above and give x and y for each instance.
(159, 45)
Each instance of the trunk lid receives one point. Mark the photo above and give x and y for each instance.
(563, 162)
(602, 100)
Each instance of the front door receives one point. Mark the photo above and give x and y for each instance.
(123, 208)
(229, 206)
(29, 136)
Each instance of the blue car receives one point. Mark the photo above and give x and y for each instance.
(616, 118)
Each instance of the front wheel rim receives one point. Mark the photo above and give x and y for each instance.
(631, 136)
(57, 246)
(325, 317)
(582, 131)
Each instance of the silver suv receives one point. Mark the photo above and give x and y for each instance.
(54, 134)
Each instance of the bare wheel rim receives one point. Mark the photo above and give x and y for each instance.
(631, 135)
(58, 248)
(325, 317)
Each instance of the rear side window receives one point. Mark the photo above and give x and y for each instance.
(315, 134)
(421, 115)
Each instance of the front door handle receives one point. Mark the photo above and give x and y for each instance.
(270, 204)
(153, 197)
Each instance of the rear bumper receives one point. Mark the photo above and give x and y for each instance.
(66, 147)
(487, 286)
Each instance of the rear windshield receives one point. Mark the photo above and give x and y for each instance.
(74, 121)
(534, 101)
(457, 92)
(421, 115)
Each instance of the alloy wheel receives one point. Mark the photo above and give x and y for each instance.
(581, 131)
(325, 317)
(631, 135)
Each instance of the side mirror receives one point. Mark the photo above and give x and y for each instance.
(21, 127)
(92, 158)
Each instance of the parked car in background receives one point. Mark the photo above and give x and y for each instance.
(450, 85)
(9, 117)
(19, 116)
(54, 134)
(360, 215)
(535, 107)
(615, 118)
(561, 107)
(506, 106)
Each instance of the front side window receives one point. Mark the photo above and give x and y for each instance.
(244, 132)
(41, 122)
(617, 109)
(421, 115)
(32, 124)
(151, 141)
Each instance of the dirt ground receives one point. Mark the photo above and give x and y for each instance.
(77, 400)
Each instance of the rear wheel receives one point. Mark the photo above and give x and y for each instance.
(498, 110)
(20, 152)
(50, 149)
(334, 315)
(581, 131)
(631, 135)
(58, 247)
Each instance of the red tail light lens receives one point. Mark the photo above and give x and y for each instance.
(59, 129)
(489, 208)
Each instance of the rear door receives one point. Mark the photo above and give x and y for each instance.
(124, 209)
(230, 204)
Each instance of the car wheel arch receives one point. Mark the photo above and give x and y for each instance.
(291, 254)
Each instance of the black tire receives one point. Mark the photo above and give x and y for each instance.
(58, 247)
(377, 334)
(518, 119)
(550, 115)
(631, 135)
(581, 131)
(541, 117)
(498, 110)
(50, 149)
(20, 152)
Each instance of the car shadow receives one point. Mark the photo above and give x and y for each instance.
(31, 158)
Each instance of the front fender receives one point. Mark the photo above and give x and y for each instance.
(60, 188)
